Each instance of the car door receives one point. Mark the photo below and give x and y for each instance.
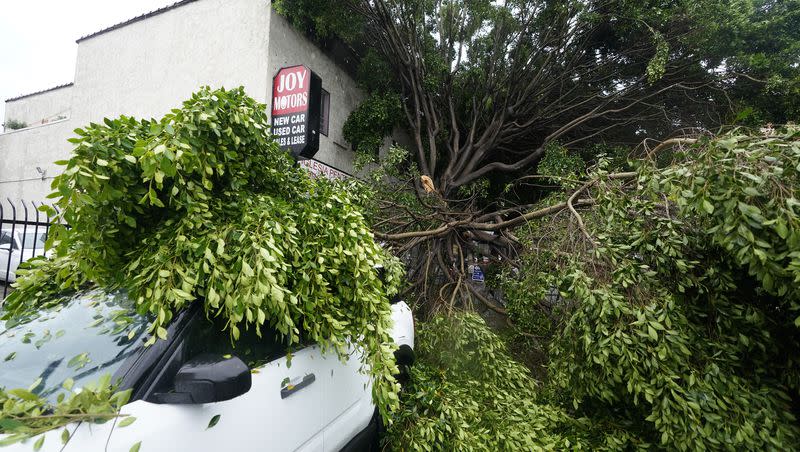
(279, 413)
(348, 407)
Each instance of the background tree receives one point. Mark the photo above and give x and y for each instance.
(485, 88)
(754, 49)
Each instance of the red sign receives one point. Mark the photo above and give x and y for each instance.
(290, 90)
(296, 95)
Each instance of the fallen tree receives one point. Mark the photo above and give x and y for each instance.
(661, 302)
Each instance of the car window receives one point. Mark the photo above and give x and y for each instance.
(206, 335)
(33, 240)
(210, 336)
(89, 335)
(5, 239)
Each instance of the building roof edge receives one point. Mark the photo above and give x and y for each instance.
(144, 16)
(22, 96)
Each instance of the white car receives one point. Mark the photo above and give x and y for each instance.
(194, 391)
(18, 245)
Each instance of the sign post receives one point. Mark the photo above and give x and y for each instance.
(296, 93)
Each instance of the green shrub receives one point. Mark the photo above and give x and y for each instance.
(13, 124)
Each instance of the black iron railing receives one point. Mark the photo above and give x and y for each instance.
(23, 231)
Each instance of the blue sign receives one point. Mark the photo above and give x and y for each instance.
(477, 273)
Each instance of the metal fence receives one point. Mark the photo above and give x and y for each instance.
(23, 231)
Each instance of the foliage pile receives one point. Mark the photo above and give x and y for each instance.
(678, 314)
(202, 206)
(468, 394)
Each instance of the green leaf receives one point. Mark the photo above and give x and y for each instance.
(750, 191)
(78, 361)
(39, 443)
(708, 207)
(214, 420)
(126, 421)
(182, 294)
(10, 424)
(781, 229)
(247, 270)
(135, 447)
(277, 294)
(24, 395)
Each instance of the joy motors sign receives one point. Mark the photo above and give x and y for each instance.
(296, 106)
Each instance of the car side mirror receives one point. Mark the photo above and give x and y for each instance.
(209, 378)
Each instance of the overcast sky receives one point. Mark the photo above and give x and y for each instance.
(37, 38)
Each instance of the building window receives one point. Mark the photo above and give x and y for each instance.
(325, 99)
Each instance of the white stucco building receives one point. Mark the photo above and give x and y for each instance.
(148, 65)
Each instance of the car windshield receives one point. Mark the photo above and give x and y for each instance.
(87, 336)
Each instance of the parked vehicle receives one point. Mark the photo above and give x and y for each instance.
(179, 385)
(18, 245)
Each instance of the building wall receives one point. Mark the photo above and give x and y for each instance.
(149, 67)
(23, 150)
(41, 108)
(288, 47)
